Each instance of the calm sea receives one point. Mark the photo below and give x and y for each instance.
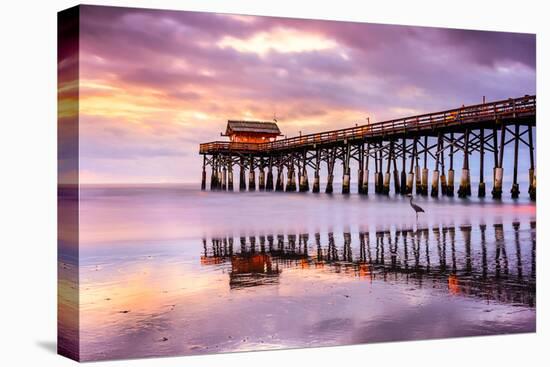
(171, 270)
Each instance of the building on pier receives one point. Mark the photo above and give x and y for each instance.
(251, 131)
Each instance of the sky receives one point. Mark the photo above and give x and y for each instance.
(154, 84)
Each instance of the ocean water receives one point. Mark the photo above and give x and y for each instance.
(170, 270)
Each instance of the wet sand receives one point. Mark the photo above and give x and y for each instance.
(170, 270)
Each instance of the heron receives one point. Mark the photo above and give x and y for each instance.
(417, 209)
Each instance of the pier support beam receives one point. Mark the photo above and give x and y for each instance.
(410, 183)
(346, 181)
(386, 187)
(418, 179)
(251, 176)
(242, 175)
(425, 169)
(515, 186)
(403, 185)
(304, 185)
(316, 184)
(532, 175)
(331, 160)
(481, 187)
(361, 152)
(396, 184)
(465, 189)
(435, 184)
(378, 169)
(347, 171)
(261, 179)
(410, 177)
(269, 182)
(365, 183)
(304, 182)
(203, 176)
(214, 175)
(435, 176)
(291, 182)
(498, 175)
(230, 175)
(279, 184)
(329, 188)
(417, 170)
(380, 178)
(360, 174)
(443, 178)
(451, 173)
(224, 178)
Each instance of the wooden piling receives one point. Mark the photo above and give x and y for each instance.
(279, 183)
(365, 183)
(532, 175)
(410, 176)
(425, 169)
(417, 169)
(261, 179)
(451, 172)
(377, 169)
(242, 175)
(304, 172)
(515, 186)
(269, 181)
(213, 177)
(442, 177)
(331, 160)
(304, 185)
(203, 176)
(251, 175)
(361, 159)
(464, 189)
(403, 185)
(230, 174)
(498, 176)
(386, 187)
(316, 183)
(347, 172)
(224, 177)
(435, 176)
(481, 187)
(396, 180)
(380, 171)
(291, 184)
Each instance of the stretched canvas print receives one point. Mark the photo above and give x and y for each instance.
(239, 183)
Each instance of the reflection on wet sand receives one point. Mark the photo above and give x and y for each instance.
(436, 258)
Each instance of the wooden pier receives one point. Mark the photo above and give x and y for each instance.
(401, 151)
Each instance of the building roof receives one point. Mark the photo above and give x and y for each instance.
(261, 127)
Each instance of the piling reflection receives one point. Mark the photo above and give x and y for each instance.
(467, 261)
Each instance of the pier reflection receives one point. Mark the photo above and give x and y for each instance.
(493, 262)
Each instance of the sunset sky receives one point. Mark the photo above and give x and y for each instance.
(155, 84)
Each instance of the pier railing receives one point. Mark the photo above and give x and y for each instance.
(499, 110)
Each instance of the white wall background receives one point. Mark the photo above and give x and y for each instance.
(28, 180)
